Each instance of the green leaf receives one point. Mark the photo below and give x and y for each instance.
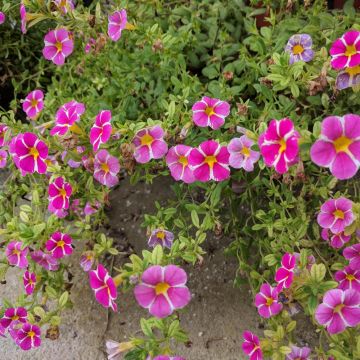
(145, 327)
(195, 218)
(318, 272)
(63, 299)
(157, 255)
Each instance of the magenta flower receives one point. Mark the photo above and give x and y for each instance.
(267, 301)
(104, 287)
(348, 278)
(298, 353)
(87, 260)
(251, 346)
(241, 154)
(345, 51)
(58, 45)
(3, 158)
(3, 130)
(177, 159)
(59, 193)
(300, 48)
(2, 17)
(89, 45)
(91, 209)
(167, 357)
(338, 147)
(28, 337)
(60, 213)
(162, 290)
(46, 261)
(117, 23)
(33, 104)
(106, 168)
(162, 237)
(349, 77)
(352, 253)
(29, 153)
(101, 131)
(29, 280)
(279, 145)
(13, 316)
(336, 215)
(59, 245)
(16, 255)
(337, 240)
(210, 161)
(2, 331)
(23, 18)
(284, 276)
(65, 6)
(149, 144)
(210, 112)
(340, 309)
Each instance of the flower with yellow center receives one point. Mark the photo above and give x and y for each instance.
(34, 102)
(269, 301)
(350, 277)
(105, 167)
(350, 50)
(183, 160)
(245, 151)
(61, 243)
(342, 144)
(209, 111)
(58, 46)
(34, 152)
(339, 214)
(210, 160)
(282, 144)
(160, 235)
(62, 192)
(161, 288)
(31, 334)
(338, 308)
(147, 140)
(297, 49)
(353, 70)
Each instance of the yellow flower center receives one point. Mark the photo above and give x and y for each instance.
(350, 50)
(297, 49)
(209, 111)
(342, 144)
(161, 288)
(16, 252)
(160, 235)
(62, 192)
(210, 160)
(34, 152)
(339, 214)
(15, 317)
(63, 3)
(147, 139)
(58, 46)
(61, 243)
(183, 160)
(34, 102)
(105, 167)
(31, 333)
(338, 308)
(282, 144)
(269, 301)
(353, 70)
(245, 151)
(350, 277)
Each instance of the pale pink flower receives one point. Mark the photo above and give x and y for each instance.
(2, 17)
(28, 337)
(23, 18)
(337, 240)
(241, 154)
(3, 130)
(101, 130)
(16, 254)
(345, 51)
(3, 158)
(29, 280)
(177, 159)
(59, 193)
(284, 276)
(47, 261)
(106, 168)
(59, 245)
(348, 278)
(13, 316)
(352, 253)
(117, 23)
(267, 301)
(251, 346)
(33, 104)
(87, 260)
(65, 6)
(299, 353)
(91, 209)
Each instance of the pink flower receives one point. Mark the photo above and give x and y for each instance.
(251, 346)
(101, 130)
(2, 331)
(284, 276)
(210, 161)
(267, 301)
(298, 353)
(59, 245)
(47, 261)
(348, 278)
(33, 104)
(16, 254)
(66, 116)
(338, 147)
(60, 213)
(23, 18)
(345, 52)
(340, 309)
(3, 130)
(58, 45)
(167, 357)
(210, 112)
(3, 157)
(336, 215)
(162, 237)
(337, 240)
(59, 193)
(310, 261)
(106, 168)
(2, 17)
(162, 290)
(149, 144)
(65, 6)
(90, 209)
(177, 159)
(29, 280)
(87, 260)
(241, 154)
(117, 23)
(28, 337)
(352, 253)
(89, 45)
(104, 287)
(13, 316)
(29, 153)
(279, 145)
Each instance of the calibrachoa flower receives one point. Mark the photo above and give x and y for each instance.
(267, 301)
(101, 130)
(284, 276)
(29, 336)
(58, 45)
(298, 353)
(3, 129)
(345, 51)
(149, 144)
(177, 159)
(210, 161)
(349, 77)
(90, 208)
(210, 112)
(251, 346)
(30, 153)
(65, 5)
(162, 290)
(310, 262)
(3, 157)
(117, 23)
(104, 287)
(89, 45)
(348, 278)
(337, 240)
(33, 104)
(59, 245)
(59, 193)
(13, 316)
(47, 261)
(340, 309)
(106, 168)
(29, 280)
(2, 17)
(23, 18)
(279, 145)
(167, 357)
(300, 48)
(352, 253)
(241, 154)
(16, 254)
(114, 348)
(162, 237)
(2, 331)
(60, 213)
(338, 147)
(87, 260)
(336, 214)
